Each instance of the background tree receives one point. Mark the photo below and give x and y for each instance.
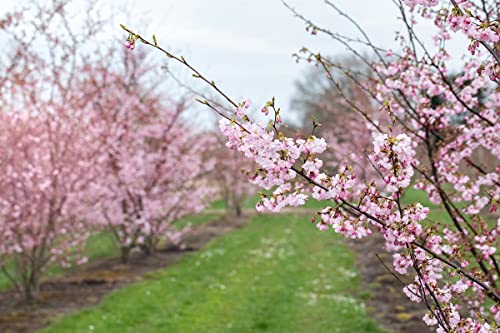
(232, 172)
(47, 149)
(151, 166)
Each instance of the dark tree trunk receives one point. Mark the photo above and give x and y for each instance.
(125, 254)
(237, 210)
(31, 289)
(149, 246)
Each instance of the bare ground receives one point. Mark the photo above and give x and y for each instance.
(386, 301)
(89, 284)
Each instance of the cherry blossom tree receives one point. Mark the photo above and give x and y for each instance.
(46, 167)
(454, 265)
(47, 153)
(151, 166)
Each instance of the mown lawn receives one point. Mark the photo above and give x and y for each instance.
(278, 274)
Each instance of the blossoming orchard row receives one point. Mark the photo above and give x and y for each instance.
(89, 142)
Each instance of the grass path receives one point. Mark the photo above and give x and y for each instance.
(278, 274)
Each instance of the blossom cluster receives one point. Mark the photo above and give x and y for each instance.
(394, 157)
(276, 157)
(464, 18)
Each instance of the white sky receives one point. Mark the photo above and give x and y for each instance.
(245, 46)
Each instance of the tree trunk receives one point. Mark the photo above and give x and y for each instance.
(149, 246)
(28, 294)
(147, 249)
(125, 254)
(237, 210)
(31, 289)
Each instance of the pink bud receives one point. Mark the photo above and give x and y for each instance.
(493, 208)
(129, 44)
(247, 103)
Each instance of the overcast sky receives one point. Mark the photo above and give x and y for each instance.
(246, 45)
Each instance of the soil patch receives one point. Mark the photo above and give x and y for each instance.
(386, 301)
(87, 285)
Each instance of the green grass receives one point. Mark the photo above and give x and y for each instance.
(197, 219)
(312, 203)
(278, 274)
(100, 245)
(436, 213)
(248, 202)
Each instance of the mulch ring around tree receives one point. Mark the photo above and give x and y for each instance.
(87, 285)
(385, 299)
